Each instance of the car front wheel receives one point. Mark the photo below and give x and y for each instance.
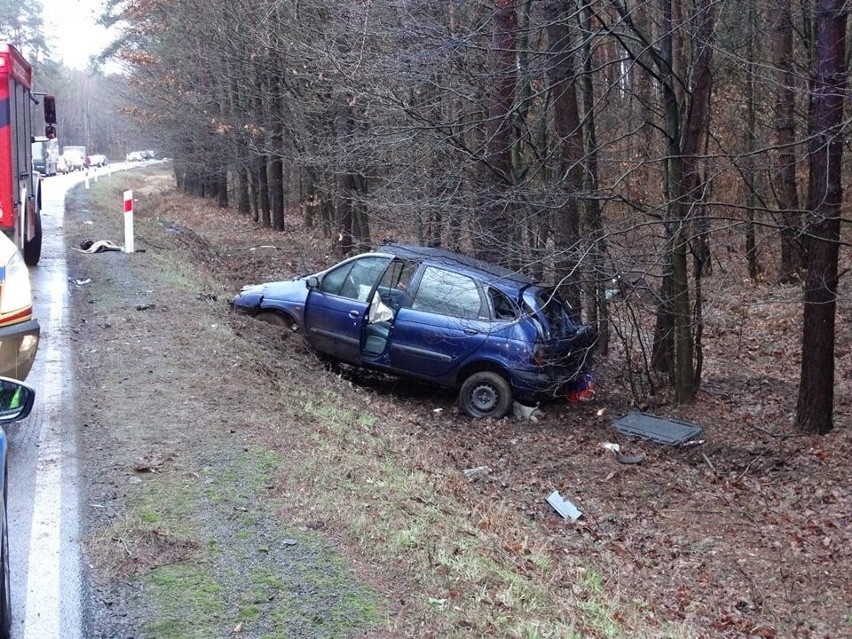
(278, 319)
(485, 394)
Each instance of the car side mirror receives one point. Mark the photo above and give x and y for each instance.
(16, 400)
(312, 282)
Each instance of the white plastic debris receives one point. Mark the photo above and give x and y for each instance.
(475, 473)
(530, 413)
(563, 506)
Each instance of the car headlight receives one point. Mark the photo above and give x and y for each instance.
(16, 293)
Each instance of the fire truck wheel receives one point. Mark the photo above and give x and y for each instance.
(32, 249)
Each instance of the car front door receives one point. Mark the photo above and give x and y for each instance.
(336, 309)
(446, 320)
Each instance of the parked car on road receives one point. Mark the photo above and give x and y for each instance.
(135, 156)
(19, 331)
(98, 160)
(75, 157)
(16, 402)
(425, 313)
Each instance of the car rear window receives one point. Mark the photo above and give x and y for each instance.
(447, 293)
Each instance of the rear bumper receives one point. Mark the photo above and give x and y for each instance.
(548, 382)
(18, 346)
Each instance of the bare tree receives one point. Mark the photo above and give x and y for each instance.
(815, 407)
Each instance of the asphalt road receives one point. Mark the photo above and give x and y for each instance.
(44, 508)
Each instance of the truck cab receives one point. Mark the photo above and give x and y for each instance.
(20, 184)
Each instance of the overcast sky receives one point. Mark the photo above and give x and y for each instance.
(71, 28)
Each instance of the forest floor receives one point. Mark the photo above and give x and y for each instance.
(748, 534)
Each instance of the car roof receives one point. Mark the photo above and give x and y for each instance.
(473, 266)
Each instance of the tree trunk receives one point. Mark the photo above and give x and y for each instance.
(750, 175)
(784, 165)
(597, 309)
(815, 407)
(493, 229)
(242, 191)
(569, 131)
(263, 190)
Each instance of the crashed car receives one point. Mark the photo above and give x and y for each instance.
(493, 334)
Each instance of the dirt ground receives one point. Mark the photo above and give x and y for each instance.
(745, 535)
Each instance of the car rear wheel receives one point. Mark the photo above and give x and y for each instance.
(279, 319)
(485, 394)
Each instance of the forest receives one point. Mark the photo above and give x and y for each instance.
(616, 147)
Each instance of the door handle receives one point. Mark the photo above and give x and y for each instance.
(471, 331)
(354, 314)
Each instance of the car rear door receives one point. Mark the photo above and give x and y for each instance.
(335, 311)
(446, 320)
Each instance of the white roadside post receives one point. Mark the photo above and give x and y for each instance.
(86, 170)
(128, 221)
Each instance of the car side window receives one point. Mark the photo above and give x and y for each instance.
(448, 293)
(334, 279)
(362, 277)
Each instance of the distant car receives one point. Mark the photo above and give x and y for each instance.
(98, 159)
(135, 156)
(437, 316)
(19, 331)
(75, 160)
(62, 165)
(16, 402)
(148, 154)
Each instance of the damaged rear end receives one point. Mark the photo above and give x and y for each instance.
(563, 349)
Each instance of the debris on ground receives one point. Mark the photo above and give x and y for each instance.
(623, 458)
(99, 246)
(563, 506)
(531, 413)
(657, 429)
(476, 473)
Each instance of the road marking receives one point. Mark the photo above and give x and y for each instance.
(43, 580)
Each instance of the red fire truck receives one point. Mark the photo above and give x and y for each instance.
(20, 186)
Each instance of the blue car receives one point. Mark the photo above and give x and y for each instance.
(493, 334)
(16, 402)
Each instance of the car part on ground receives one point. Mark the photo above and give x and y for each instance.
(492, 334)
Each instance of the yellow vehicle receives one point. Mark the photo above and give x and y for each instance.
(19, 331)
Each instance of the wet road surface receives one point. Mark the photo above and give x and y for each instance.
(43, 503)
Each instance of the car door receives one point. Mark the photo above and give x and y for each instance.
(336, 309)
(447, 319)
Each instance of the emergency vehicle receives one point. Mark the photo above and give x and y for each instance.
(20, 185)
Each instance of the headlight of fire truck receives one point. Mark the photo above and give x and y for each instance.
(15, 294)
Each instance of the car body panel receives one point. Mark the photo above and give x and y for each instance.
(333, 325)
(19, 332)
(18, 347)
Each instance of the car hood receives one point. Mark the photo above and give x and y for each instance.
(287, 290)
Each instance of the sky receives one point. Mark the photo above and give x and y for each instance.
(72, 30)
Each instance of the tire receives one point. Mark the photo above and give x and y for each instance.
(279, 319)
(32, 249)
(485, 394)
